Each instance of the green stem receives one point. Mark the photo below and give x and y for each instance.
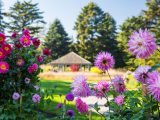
(109, 75)
(158, 110)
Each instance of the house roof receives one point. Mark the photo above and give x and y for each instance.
(71, 58)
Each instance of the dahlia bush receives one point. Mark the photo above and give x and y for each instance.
(121, 103)
(19, 69)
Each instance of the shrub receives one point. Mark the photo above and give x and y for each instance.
(96, 70)
(19, 69)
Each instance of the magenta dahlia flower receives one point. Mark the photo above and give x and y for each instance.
(2, 54)
(36, 42)
(119, 100)
(70, 113)
(46, 51)
(33, 68)
(20, 62)
(14, 35)
(39, 59)
(4, 67)
(118, 84)
(154, 84)
(142, 44)
(2, 38)
(15, 96)
(36, 98)
(104, 61)
(26, 32)
(7, 49)
(101, 88)
(80, 87)
(25, 41)
(141, 73)
(70, 97)
(81, 106)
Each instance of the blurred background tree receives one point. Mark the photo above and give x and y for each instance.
(2, 22)
(148, 19)
(25, 15)
(96, 31)
(57, 40)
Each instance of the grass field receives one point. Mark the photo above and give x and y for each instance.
(61, 87)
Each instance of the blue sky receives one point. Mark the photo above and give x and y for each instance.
(68, 10)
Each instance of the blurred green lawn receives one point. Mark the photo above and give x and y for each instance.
(61, 87)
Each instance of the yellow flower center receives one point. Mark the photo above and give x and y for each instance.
(6, 48)
(1, 39)
(3, 67)
(1, 54)
(26, 40)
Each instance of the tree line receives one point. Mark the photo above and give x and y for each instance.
(96, 30)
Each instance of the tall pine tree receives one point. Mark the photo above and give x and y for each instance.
(57, 40)
(2, 23)
(25, 15)
(96, 31)
(149, 19)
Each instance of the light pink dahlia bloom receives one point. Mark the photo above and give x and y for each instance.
(80, 87)
(15, 96)
(118, 84)
(81, 106)
(141, 74)
(119, 100)
(154, 84)
(104, 61)
(36, 98)
(142, 44)
(101, 88)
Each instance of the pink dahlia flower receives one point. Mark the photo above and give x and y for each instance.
(81, 106)
(80, 87)
(104, 61)
(142, 44)
(2, 54)
(20, 62)
(15, 96)
(4, 67)
(36, 42)
(26, 32)
(118, 84)
(33, 68)
(141, 73)
(36, 98)
(39, 59)
(25, 41)
(14, 35)
(7, 49)
(101, 88)
(119, 100)
(154, 84)
(2, 38)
